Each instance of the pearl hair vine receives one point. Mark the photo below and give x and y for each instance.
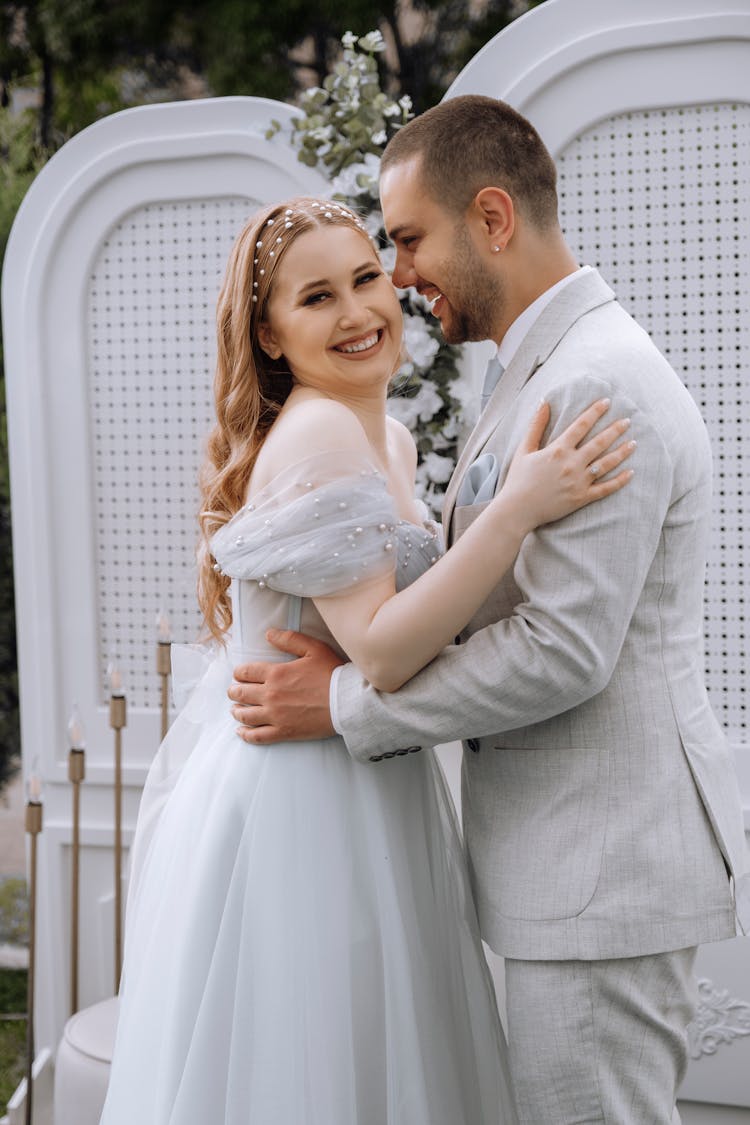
(285, 218)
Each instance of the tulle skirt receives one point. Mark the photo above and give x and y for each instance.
(301, 945)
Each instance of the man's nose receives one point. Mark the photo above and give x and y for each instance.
(404, 273)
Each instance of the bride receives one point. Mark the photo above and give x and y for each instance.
(301, 944)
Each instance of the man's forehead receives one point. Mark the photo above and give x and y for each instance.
(402, 196)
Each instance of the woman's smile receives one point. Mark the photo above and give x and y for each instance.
(361, 347)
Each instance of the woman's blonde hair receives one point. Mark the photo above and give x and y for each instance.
(249, 387)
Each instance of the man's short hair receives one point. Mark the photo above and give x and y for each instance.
(472, 142)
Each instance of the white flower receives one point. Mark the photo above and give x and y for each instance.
(437, 468)
(428, 401)
(405, 103)
(346, 183)
(374, 223)
(380, 137)
(373, 41)
(405, 410)
(392, 110)
(420, 345)
(348, 39)
(388, 258)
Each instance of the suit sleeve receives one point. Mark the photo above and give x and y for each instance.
(580, 580)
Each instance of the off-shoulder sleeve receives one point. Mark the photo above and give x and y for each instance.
(322, 526)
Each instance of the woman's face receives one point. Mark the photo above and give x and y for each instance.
(333, 314)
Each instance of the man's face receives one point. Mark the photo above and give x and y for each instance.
(436, 255)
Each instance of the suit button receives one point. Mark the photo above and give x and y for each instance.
(473, 744)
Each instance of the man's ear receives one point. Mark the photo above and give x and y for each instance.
(496, 213)
(267, 341)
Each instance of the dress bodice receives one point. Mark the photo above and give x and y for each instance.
(321, 527)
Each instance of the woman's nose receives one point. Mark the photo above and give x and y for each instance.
(353, 310)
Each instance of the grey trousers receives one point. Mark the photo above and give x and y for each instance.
(599, 1042)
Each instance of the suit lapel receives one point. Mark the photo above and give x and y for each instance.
(584, 293)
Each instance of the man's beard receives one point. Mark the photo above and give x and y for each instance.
(476, 295)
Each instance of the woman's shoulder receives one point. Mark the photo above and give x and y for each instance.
(402, 441)
(310, 425)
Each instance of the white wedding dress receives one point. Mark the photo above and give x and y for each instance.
(301, 943)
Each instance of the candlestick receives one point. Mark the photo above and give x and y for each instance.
(33, 825)
(164, 667)
(117, 720)
(76, 774)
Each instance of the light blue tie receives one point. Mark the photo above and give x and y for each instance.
(492, 377)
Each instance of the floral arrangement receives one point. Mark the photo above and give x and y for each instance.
(344, 127)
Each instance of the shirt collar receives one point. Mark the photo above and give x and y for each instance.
(522, 325)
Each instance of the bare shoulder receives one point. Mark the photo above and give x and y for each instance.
(402, 443)
(309, 424)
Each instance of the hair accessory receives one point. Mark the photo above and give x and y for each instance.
(289, 211)
(258, 245)
(287, 225)
(261, 272)
(269, 222)
(255, 297)
(279, 238)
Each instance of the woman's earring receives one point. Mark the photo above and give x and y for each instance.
(496, 249)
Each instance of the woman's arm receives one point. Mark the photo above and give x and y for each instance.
(391, 636)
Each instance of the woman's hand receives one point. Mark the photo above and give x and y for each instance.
(551, 482)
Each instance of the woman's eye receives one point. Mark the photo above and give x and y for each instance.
(371, 275)
(315, 298)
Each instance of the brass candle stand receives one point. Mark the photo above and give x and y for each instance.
(76, 774)
(164, 668)
(33, 826)
(117, 720)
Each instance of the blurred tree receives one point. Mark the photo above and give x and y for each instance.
(91, 57)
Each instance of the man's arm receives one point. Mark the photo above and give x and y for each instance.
(580, 581)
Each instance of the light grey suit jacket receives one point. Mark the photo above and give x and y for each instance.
(600, 804)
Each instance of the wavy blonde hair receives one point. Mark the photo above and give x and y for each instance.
(249, 387)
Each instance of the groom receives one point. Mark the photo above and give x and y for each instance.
(600, 808)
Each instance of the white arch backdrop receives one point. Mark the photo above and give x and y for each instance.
(108, 291)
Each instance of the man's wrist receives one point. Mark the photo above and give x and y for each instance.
(332, 701)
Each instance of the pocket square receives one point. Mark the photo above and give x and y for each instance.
(480, 481)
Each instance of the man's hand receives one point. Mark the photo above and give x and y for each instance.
(278, 702)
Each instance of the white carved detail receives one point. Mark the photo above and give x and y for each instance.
(720, 1019)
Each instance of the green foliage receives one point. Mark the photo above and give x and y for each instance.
(13, 1000)
(13, 992)
(14, 923)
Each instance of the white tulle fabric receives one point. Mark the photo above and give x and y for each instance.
(301, 944)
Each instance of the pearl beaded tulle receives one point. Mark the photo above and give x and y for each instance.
(301, 944)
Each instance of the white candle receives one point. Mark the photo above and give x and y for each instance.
(163, 630)
(115, 679)
(76, 734)
(34, 785)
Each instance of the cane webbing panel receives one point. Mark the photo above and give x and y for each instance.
(152, 298)
(659, 201)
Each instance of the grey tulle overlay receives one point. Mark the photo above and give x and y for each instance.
(301, 943)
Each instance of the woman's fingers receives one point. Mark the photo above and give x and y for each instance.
(610, 460)
(533, 437)
(602, 488)
(578, 430)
